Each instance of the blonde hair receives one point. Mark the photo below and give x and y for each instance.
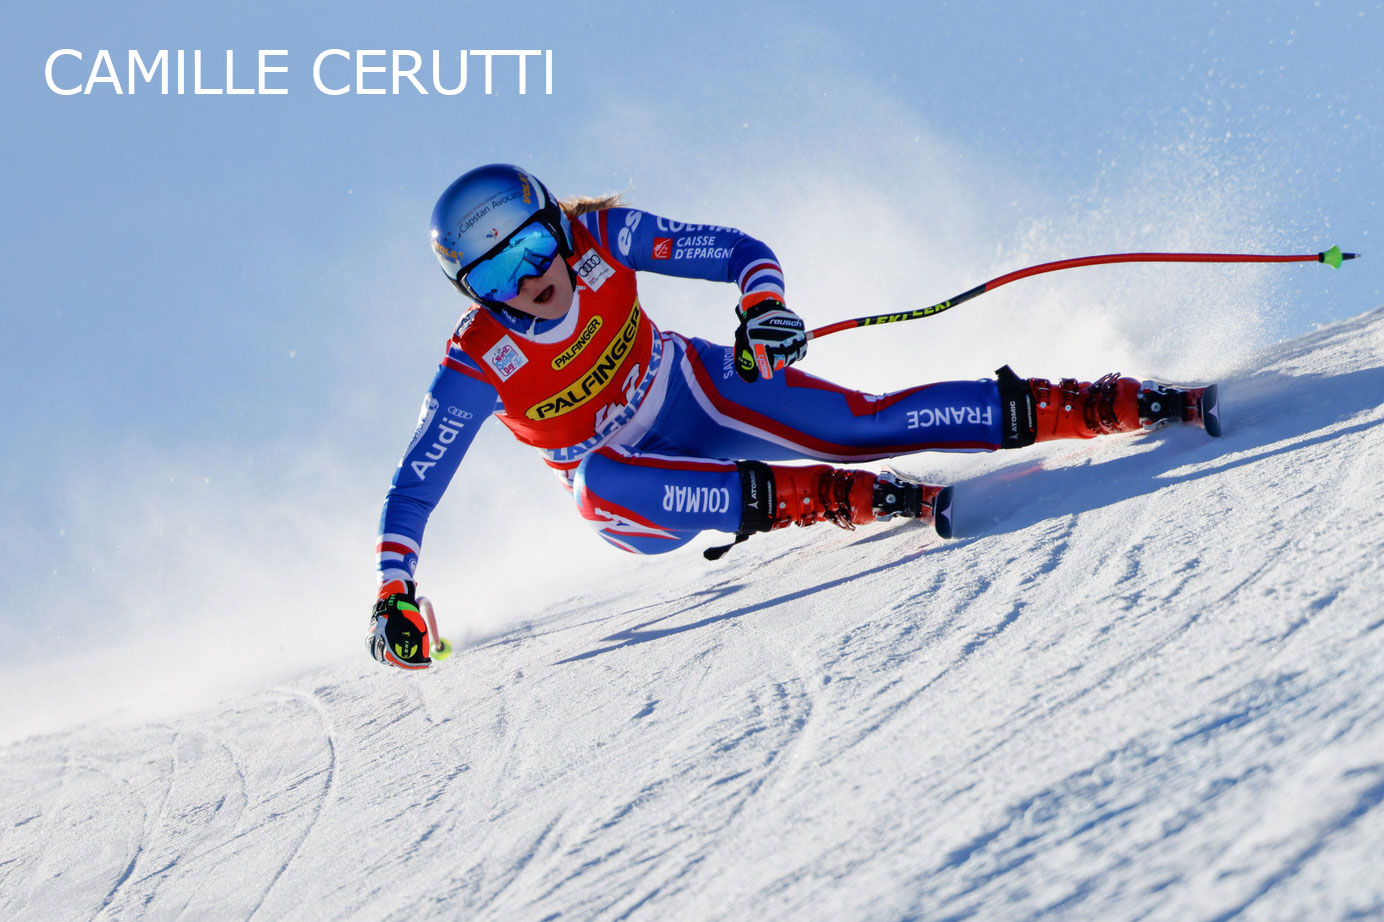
(581, 204)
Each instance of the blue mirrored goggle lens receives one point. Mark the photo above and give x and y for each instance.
(528, 253)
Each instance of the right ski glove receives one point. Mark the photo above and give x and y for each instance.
(398, 632)
(770, 336)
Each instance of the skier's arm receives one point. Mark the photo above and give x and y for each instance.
(770, 336)
(648, 243)
(459, 400)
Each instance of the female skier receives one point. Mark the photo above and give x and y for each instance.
(660, 436)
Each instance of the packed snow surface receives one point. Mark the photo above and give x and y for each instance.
(1144, 682)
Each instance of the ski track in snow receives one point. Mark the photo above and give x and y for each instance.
(1143, 683)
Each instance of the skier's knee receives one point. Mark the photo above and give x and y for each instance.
(638, 541)
(596, 489)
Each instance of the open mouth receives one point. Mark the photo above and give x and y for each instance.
(544, 296)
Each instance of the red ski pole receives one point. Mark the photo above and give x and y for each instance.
(1332, 257)
(441, 647)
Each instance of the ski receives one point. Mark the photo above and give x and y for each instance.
(1207, 410)
(1161, 404)
(942, 512)
(899, 496)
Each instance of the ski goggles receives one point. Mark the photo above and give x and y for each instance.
(526, 254)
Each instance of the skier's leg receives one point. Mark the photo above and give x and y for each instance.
(657, 494)
(709, 411)
(650, 504)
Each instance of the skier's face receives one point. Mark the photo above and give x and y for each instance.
(547, 296)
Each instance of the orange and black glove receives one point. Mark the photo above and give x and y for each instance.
(398, 631)
(770, 336)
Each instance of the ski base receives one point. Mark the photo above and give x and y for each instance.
(1208, 410)
(942, 512)
(1161, 404)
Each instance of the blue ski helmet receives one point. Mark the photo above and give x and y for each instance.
(499, 225)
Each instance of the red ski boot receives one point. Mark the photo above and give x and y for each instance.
(776, 496)
(1084, 410)
(821, 493)
(1036, 410)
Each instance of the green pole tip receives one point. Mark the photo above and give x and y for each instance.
(1332, 257)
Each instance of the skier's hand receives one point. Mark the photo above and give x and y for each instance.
(398, 632)
(770, 336)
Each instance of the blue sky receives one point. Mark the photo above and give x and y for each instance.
(221, 312)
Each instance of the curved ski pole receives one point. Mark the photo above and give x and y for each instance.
(441, 646)
(1332, 257)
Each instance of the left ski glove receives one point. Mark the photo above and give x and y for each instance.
(770, 336)
(398, 631)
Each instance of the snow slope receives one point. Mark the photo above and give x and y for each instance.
(1143, 683)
